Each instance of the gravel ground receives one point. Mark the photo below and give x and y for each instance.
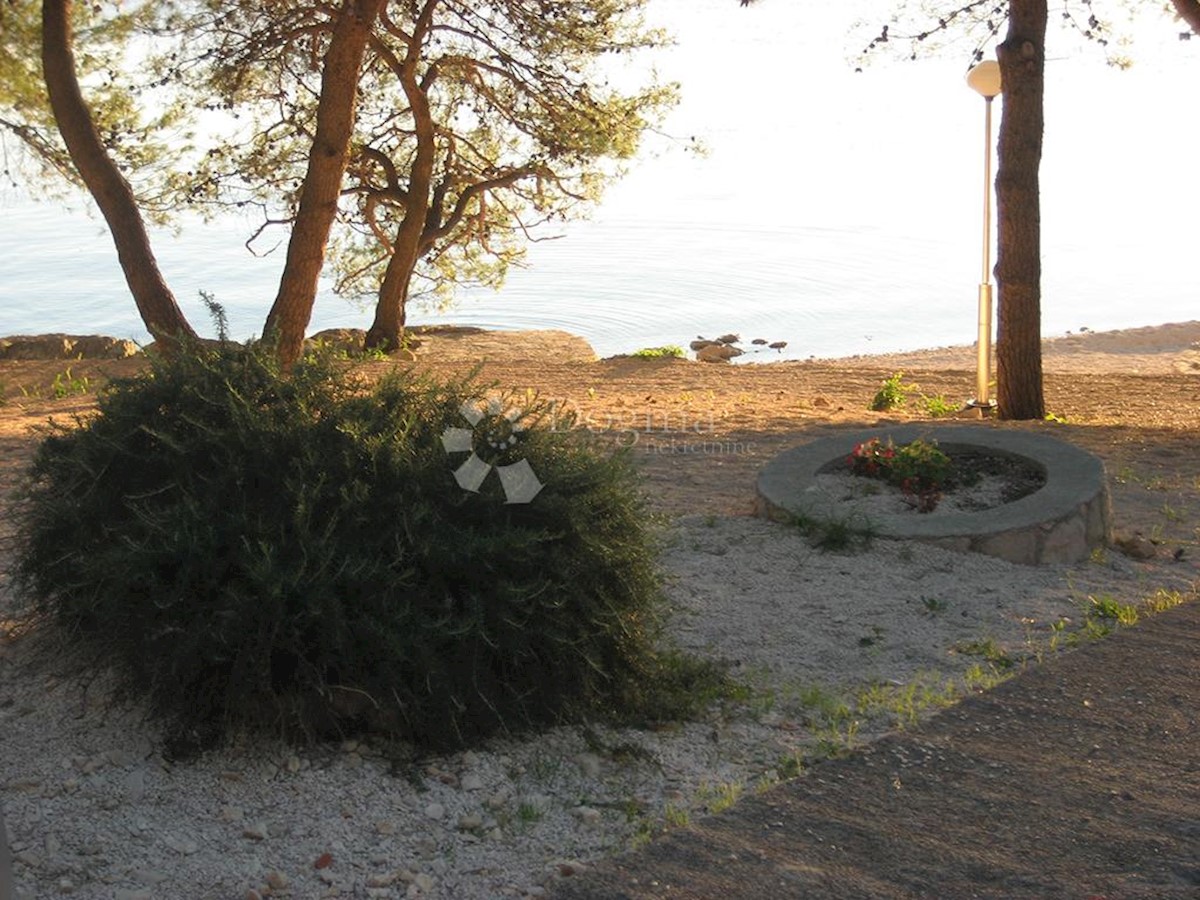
(94, 811)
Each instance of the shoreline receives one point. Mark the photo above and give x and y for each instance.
(1169, 348)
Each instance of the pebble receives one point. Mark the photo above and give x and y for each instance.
(385, 827)
(277, 881)
(255, 832)
(230, 814)
(135, 786)
(587, 815)
(435, 811)
(181, 845)
(569, 868)
(423, 882)
(471, 782)
(151, 876)
(119, 758)
(28, 858)
(498, 800)
(589, 764)
(470, 822)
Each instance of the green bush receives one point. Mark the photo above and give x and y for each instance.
(892, 394)
(669, 351)
(294, 555)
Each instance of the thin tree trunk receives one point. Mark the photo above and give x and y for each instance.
(327, 159)
(1018, 214)
(112, 193)
(387, 329)
(1189, 11)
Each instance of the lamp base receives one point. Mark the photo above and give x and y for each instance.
(980, 408)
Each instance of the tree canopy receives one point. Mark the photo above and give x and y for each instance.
(474, 126)
(423, 140)
(144, 143)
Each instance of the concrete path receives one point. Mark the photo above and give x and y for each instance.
(1079, 778)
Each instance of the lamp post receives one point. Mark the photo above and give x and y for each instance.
(984, 79)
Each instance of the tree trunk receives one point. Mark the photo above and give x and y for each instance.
(387, 330)
(292, 309)
(1189, 11)
(112, 193)
(1018, 214)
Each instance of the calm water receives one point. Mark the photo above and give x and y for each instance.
(839, 212)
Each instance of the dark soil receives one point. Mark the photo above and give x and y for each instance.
(1021, 477)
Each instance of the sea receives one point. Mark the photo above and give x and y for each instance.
(839, 211)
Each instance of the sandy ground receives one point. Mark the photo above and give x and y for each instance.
(789, 619)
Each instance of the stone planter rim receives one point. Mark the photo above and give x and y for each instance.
(1074, 479)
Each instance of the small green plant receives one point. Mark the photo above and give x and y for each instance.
(1162, 600)
(790, 765)
(983, 678)
(1110, 609)
(528, 813)
(873, 639)
(668, 351)
(719, 797)
(892, 394)
(903, 704)
(835, 535)
(989, 650)
(938, 407)
(66, 385)
(934, 605)
(677, 816)
(1172, 513)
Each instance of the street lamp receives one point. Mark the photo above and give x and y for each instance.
(984, 79)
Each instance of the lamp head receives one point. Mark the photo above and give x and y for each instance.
(984, 78)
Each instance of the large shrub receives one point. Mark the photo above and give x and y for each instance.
(295, 554)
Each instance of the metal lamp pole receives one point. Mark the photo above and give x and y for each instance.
(984, 79)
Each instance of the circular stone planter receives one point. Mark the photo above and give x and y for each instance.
(1061, 522)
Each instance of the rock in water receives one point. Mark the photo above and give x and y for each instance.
(718, 353)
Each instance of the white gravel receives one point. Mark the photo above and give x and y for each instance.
(93, 811)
